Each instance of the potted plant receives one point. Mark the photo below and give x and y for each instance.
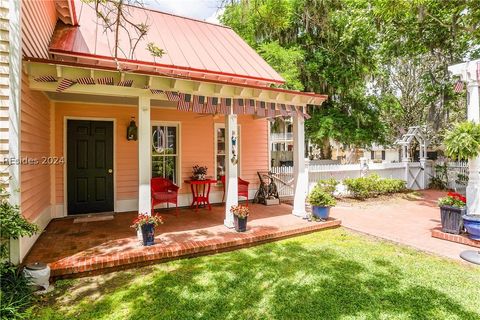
(240, 216)
(321, 202)
(146, 224)
(463, 141)
(452, 208)
(199, 172)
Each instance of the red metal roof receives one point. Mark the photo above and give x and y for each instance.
(193, 47)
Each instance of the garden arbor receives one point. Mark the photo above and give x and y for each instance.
(412, 174)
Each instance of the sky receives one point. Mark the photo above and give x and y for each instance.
(199, 9)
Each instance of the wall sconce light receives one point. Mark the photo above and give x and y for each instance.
(132, 130)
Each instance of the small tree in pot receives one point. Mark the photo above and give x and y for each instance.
(147, 223)
(321, 202)
(452, 207)
(240, 216)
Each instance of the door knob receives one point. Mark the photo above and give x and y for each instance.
(110, 170)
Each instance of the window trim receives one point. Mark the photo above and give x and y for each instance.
(178, 124)
(217, 126)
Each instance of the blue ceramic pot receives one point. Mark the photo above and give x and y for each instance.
(148, 234)
(321, 212)
(472, 224)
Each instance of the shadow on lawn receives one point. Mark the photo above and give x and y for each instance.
(275, 281)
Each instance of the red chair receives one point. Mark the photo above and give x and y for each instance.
(163, 191)
(242, 188)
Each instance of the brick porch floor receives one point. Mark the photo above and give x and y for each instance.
(93, 247)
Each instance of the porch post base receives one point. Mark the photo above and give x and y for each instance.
(300, 214)
(229, 223)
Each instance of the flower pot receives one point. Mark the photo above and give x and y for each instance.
(148, 234)
(321, 212)
(472, 224)
(451, 218)
(240, 223)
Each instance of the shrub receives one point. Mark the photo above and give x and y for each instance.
(15, 293)
(372, 186)
(363, 187)
(328, 185)
(391, 186)
(318, 197)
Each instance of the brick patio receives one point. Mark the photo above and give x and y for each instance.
(75, 249)
(410, 222)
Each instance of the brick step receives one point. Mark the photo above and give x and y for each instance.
(458, 238)
(90, 265)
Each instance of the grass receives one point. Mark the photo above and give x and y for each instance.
(334, 274)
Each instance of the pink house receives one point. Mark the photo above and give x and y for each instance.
(71, 104)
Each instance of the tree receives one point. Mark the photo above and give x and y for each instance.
(383, 63)
(333, 40)
(417, 42)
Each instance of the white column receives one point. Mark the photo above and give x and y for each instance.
(231, 166)
(473, 187)
(468, 73)
(299, 172)
(144, 155)
(13, 91)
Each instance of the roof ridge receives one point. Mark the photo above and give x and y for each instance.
(178, 16)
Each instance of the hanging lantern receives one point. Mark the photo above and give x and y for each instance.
(132, 130)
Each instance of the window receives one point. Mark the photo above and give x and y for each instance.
(377, 155)
(220, 147)
(165, 151)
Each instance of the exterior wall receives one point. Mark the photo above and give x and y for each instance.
(196, 147)
(391, 155)
(38, 22)
(35, 144)
(35, 179)
(126, 156)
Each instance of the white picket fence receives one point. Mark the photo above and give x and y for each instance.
(457, 173)
(412, 174)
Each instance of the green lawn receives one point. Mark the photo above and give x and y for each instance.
(334, 274)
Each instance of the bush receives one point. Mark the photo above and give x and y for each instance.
(318, 197)
(15, 292)
(373, 186)
(328, 185)
(391, 186)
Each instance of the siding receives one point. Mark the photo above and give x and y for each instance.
(38, 23)
(4, 86)
(35, 144)
(196, 144)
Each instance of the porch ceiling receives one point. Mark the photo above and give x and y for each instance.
(142, 82)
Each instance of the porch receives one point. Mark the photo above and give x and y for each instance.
(75, 249)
